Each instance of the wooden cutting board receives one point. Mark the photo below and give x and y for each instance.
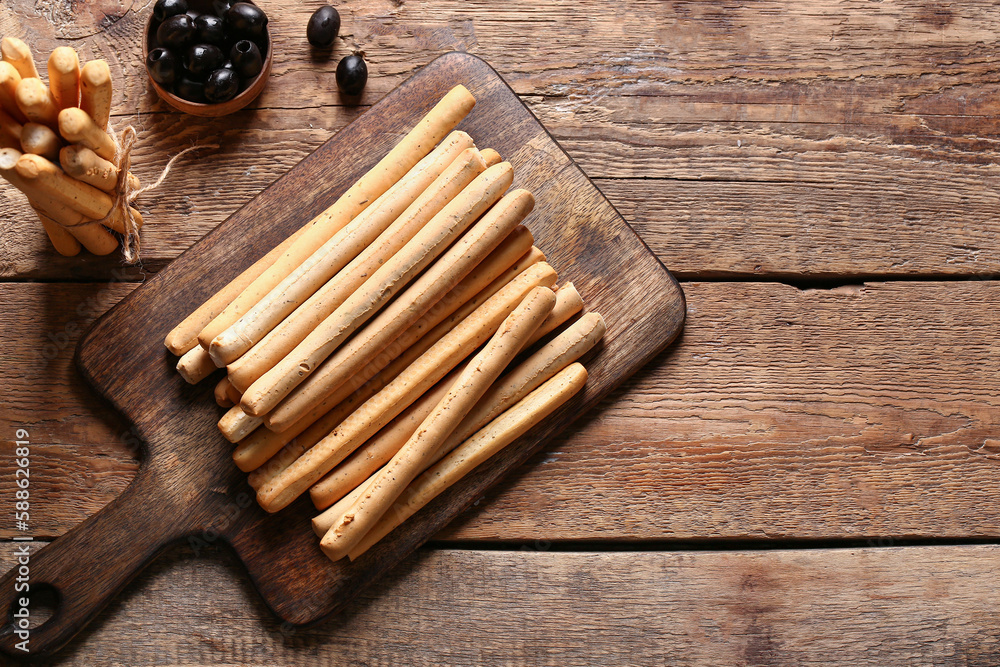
(188, 488)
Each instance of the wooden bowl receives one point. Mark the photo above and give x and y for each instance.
(248, 95)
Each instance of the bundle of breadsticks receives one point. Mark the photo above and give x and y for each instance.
(395, 342)
(55, 148)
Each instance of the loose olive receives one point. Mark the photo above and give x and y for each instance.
(222, 85)
(323, 26)
(246, 58)
(352, 74)
(164, 9)
(203, 59)
(163, 66)
(176, 32)
(210, 30)
(190, 90)
(246, 21)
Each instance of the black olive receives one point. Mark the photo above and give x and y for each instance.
(163, 66)
(220, 7)
(229, 65)
(222, 85)
(246, 21)
(323, 26)
(210, 30)
(352, 74)
(164, 9)
(176, 32)
(246, 58)
(190, 90)
(203, 59)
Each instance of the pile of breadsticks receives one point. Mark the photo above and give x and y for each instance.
(55, 148)
(395, 342)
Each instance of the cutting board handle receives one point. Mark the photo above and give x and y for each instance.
(90, 564)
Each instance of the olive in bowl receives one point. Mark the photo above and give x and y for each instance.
(210, 60)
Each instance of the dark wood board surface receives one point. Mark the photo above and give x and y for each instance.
(187, 486)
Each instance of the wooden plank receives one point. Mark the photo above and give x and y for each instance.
(910, 605)
(868, 411)
(808, 231)
(886, 122)
(902, 48)
(830, 228)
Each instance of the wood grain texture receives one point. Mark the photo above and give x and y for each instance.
(842, 140)
(188, 484)
(779, 413)
(909, 605)
(847, 119)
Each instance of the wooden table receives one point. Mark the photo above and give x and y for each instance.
(808, 475)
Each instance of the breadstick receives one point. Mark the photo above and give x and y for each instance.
(275, 465)
(94, 237)
(501, 432)
(77, 127)
(64, 77)
(9, 78)
(566, 348)
(568, 303)
(561, 351)
(7, 141)
(95, 92)
(332, 256)
(17, 53)
(85, 165)
(117, 220)
(184, 336)
(378, 450)
(10, 126)
(36, 103)
(320, 419)
(323, 522)
(318, 422)
(412, 458)
(308, 401)
(195, 365)
(267, 453)
(431, 129)
(264, 443)
(83, 198)
(88, 200)
(428, 289)
(491, 157)
(236, 424)
(394, 275)
(283, 339)
(40, 140)
(222, 393)
(402, 391)
(65, 243)
(279, 450)
(233, 393)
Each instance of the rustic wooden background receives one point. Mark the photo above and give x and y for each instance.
(809, 475)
